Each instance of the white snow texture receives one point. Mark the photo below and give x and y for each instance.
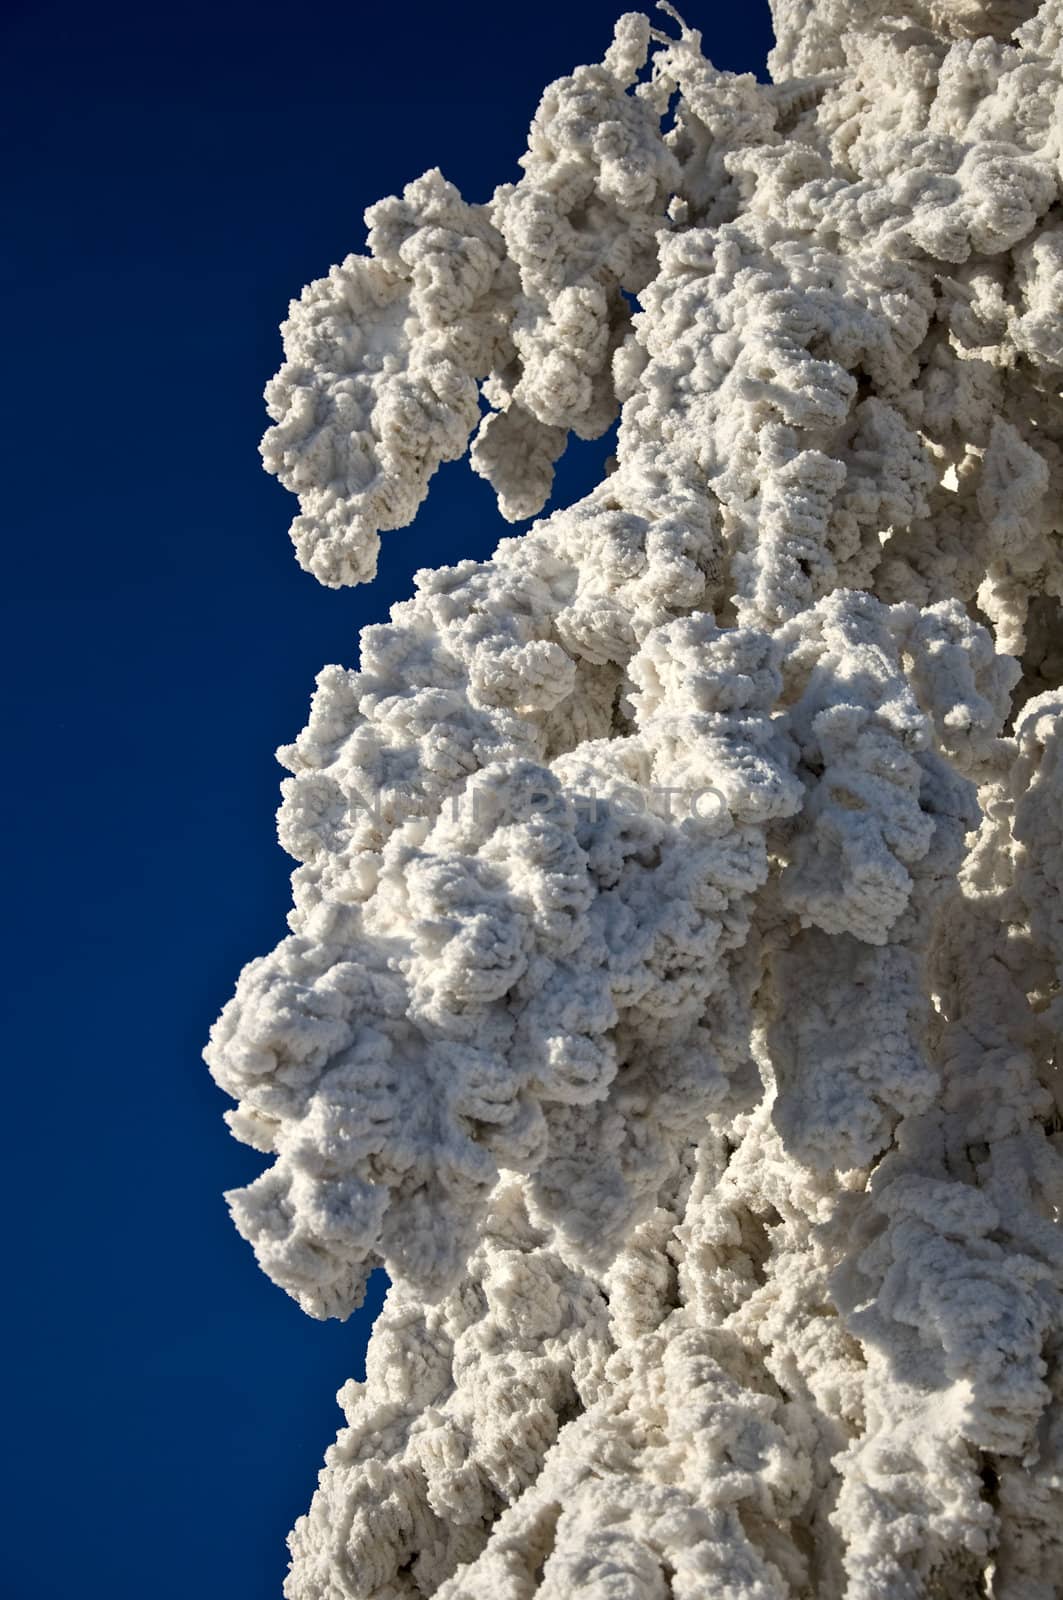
(712, 1150)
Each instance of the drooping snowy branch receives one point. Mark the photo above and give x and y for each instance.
(672, 999)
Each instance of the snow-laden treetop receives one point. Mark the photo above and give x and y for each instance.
(672, 999)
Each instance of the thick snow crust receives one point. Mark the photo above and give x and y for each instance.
(672, 1002)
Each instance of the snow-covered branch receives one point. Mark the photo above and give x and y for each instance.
(712, 1151)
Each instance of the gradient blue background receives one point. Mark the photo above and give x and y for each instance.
(172, 176)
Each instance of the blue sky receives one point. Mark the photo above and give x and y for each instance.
(172, 177)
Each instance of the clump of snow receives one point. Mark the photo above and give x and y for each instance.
(672, 998)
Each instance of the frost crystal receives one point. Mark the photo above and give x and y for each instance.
(672, 1000)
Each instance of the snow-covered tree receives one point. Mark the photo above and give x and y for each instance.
(672, 1003)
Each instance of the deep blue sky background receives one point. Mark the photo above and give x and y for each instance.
(172, 175)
